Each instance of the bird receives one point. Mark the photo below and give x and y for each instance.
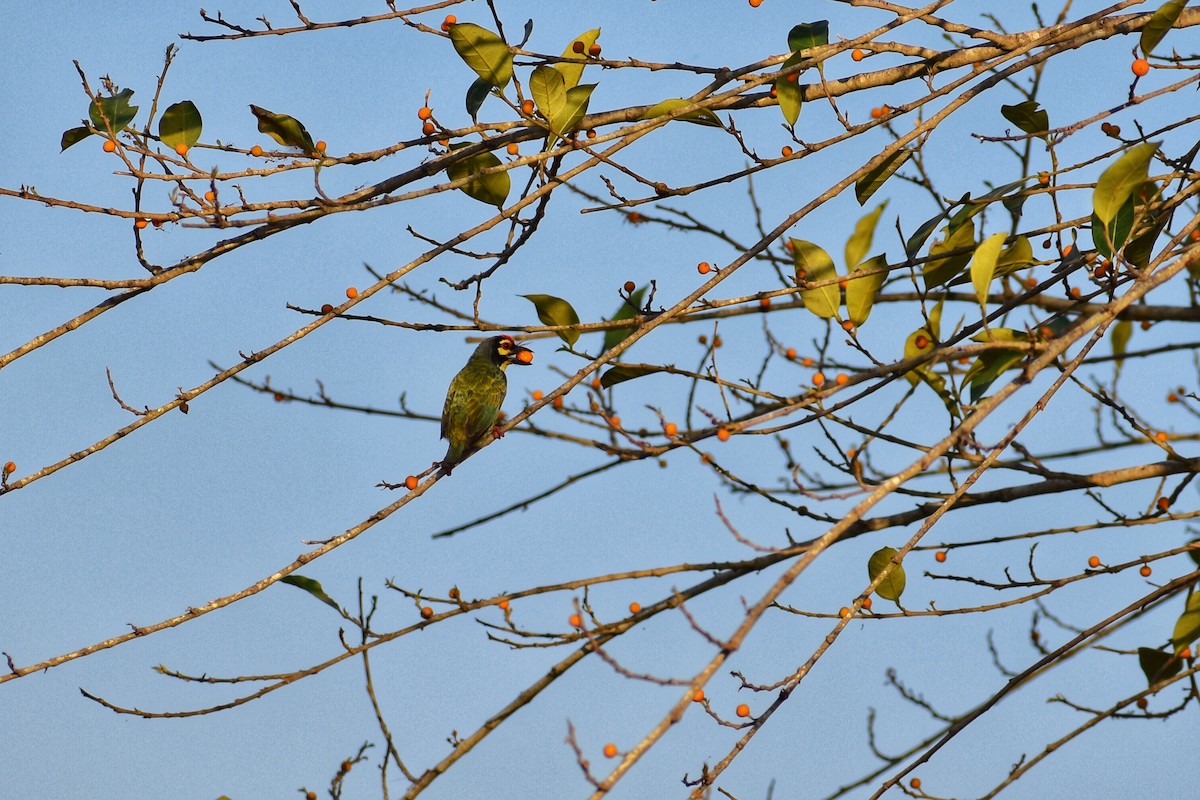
(475, 395)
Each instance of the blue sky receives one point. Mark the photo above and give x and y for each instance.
(194, 507)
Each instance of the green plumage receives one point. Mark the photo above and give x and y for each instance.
(475, 396)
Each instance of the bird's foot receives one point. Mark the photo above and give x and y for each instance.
(497, 432)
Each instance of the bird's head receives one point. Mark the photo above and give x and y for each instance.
(502, 351)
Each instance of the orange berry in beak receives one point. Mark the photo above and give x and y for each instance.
(525, 356)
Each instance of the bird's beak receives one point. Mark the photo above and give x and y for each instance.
(522, 356)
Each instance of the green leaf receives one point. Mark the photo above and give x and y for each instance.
(553, 310)
(864, 234)
(814, 264)
(983, 266)
(116, 110)
(862, 291)
(1159, 23)
(938, 271)
(614, 336)
(790, 99)
(479, 91)
(572, 73)
(74, 136)
(287, 131)
(491, 189)
(180, 125)
(992, 363)
(1112, 237)
(701, 116)
(808, 34)
(312, 587)
(1194, 553)
(1118, 183)
(484, 52)
(1157, 665)
(1029, 117)
(1122, 332)
(625, 372)
(868, 184)
(1187, 627)
(1017, 255)
(573, 110)
(549, 91)
(893, 585)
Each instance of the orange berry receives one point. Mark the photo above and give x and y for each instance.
(940, 556)
(527, 108)
(279, 398)
(321, 146)
(744, 710)
(1140, 66)
(1145, 324)
(634, 217)
(723, 434)
(1164, 504)
(670, 429)
(448, 21)
(346, 765)
(717, 341)
(424, 113)
(843, 612)
(594, 51)
(256, 151)
(141, 224)
(1044, 178)
(842, 379)
(790, 354)
(537, 395)
(1185, 653)
(110, 146)
(591, 134)
(513, 149)
(698, 696)
(351, 292)
(1195, 235)
(1161, 436)
(503, 604)
(454, 593)
(410, 482)
(921, 342)
(786, 151)
(310, 796)
(426, 612)
(629, 287)
(703, 268)
(808, 362)
(610, 750)
(635, 608)
(575, 621)
(614, 421)
(858, 55)
(818, 378)
(578, 47)
(181, 149)
(210, 195)
(915, 783)
(764, 303)
(327, 308)
(1141, 703)
(1094, 562)
(557, 402)
(1145, 571)
(876, 113)
(848, 325)
(525, 356)
(1172, 397)
(428, 128)
(866, 604)
(595, 383)
(444, 142)
(9, 467)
